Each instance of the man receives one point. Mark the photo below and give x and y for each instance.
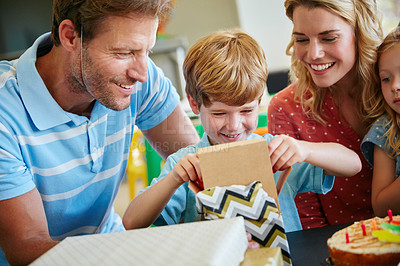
(68, 108)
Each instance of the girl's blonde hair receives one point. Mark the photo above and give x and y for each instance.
(374, 102)
(362, 16)
(225, 66)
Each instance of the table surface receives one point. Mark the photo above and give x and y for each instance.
(308, 247)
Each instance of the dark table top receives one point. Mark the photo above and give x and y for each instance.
(308, 247)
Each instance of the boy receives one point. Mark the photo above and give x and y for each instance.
(226, 74)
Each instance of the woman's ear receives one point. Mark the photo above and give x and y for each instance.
(193, 105)
(68, 36)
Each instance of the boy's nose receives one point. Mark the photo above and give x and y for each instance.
(234, 123)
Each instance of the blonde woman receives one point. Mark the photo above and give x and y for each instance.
(333, 49)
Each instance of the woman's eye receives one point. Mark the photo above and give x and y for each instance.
(332, 39)
(301, 40)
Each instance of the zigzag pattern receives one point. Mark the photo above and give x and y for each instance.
(262, 218)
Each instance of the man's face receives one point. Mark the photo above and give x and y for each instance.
(116, 58)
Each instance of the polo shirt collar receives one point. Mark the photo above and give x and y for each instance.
(41, 106)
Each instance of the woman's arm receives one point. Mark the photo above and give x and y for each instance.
(334, 158)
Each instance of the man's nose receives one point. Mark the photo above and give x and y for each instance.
(138, 68)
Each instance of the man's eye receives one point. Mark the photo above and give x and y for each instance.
(124, 55)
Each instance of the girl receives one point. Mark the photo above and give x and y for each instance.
(381, 146)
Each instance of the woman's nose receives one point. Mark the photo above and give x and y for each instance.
(315, 50)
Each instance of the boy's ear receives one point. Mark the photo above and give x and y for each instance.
(193, 105)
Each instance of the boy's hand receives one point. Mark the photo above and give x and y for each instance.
(187, 168)
(284, 151)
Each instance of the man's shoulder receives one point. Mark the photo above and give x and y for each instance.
(8, 71)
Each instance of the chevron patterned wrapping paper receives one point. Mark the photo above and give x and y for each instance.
(262, 217)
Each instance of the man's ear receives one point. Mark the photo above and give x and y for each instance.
(68, 36)
(193, 105)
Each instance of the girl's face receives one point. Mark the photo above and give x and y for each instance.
(226, 123)
(389, 74)
(325, 43)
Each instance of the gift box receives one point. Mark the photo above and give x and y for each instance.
(263, 257)
(218, 242)
(238, 181)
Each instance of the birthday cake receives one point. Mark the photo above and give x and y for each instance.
(371, 242)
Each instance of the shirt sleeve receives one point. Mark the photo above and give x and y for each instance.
(279, 114)
(156, 99)
(306, 177)
(375, 136)
(15, 177)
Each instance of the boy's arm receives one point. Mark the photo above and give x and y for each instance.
(145, 208)
(385, 185)
(334, 158)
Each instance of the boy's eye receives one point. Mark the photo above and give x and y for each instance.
(218, 114)
(247, 111)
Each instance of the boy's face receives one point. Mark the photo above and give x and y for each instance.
(226, 123)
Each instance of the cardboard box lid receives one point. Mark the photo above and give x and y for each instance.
(238, 163)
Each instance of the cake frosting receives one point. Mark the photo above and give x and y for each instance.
(358, 244)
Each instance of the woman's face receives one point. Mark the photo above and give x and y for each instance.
(325, 43)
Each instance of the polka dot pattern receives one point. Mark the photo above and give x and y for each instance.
(349, 200)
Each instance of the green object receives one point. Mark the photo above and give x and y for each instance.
(262, 120)
(153, 161)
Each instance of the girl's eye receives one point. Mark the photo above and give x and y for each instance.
(384, 80)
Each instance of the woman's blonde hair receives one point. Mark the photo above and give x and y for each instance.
(362, 16)
(374, 102)
(225, 66)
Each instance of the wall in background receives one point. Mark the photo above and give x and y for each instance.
(264, 20)
(21, 22)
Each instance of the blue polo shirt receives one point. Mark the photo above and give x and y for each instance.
(76, 163)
